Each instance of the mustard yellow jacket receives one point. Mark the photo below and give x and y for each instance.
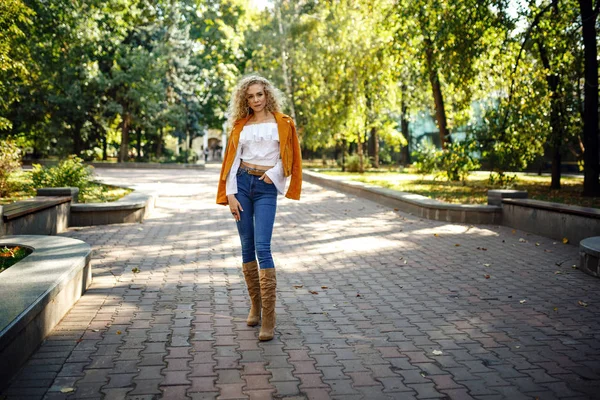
(289, 146)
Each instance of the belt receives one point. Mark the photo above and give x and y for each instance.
(253, 171)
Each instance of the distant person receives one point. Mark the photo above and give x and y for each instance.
(206, 154)
(262, 152)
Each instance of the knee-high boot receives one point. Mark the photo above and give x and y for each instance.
(253, 282)
(268, 285)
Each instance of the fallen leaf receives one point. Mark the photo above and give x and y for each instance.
(517, 347)
(537, 244)
(574, 266)
(298, 286)
(437, 352)
(555, 308)
(513, 231)
(522, 301)
(482, 248)
(395, 209)
(324, 287)
(557, 272)
(521, 240)
(405, 261)
(118, 332)
(357, 294)
(67, 390)
(135, 270)
(486, 265)
(487, 277)
(95, 330)
(582, 303)
(565, 240)
(436, 235)
(457, 245)
(313, 292)
(423, 374)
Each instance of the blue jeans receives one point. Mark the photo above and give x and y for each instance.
(259, 202)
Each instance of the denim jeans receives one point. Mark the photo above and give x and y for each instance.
(259, 202)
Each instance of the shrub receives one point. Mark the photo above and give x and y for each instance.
(457, 161)
(353, 163)
(10, 161)
(502, 179)
(70, 172)
(427, 158)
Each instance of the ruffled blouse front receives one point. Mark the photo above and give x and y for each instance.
(259, 145)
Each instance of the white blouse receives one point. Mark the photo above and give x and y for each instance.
(259, 145)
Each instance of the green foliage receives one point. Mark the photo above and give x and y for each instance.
(15, 62)
(502, 179)
(10, 161)
(11, 255)
(427, 158)
(457, 160)
(353, 163)
(146, 69)
(70, 172)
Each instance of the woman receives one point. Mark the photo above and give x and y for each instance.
(263, 151)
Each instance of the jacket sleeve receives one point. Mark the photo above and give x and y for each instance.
(296, 181)
(221, 190)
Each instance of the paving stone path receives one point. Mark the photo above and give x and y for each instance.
(372, 304)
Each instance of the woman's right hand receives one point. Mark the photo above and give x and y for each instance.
(235, 207)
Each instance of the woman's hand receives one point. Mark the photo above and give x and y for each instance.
(266, 178)
(235, 207)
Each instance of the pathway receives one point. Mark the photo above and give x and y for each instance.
(372, 304)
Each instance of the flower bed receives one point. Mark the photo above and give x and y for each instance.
(11, 255)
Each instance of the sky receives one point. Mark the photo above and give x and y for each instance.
(261, 4)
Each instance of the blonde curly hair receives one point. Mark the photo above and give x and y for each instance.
(239, 108)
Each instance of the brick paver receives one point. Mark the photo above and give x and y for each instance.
(367, 297)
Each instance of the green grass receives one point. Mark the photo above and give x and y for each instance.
(9, 256)
(95, 193)
(474, 189)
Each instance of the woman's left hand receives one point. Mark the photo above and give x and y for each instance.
(266, 178)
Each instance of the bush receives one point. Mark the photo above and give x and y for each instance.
(70, 172)
(427, 158)
(353, 163)
(10, 161)
(457, 162)
(502, 179)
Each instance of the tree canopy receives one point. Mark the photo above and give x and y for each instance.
(517, 78)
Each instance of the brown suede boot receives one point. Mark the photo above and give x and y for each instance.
(252, 281)
(268, 284)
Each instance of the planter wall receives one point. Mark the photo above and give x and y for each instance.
(36, 294)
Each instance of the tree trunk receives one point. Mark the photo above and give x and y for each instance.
(343, 155)
(359, 151)
(591, 171)
(405, 133)
(77, 139)
(104, 147)
(159, 143)
(556, 122)
(438, 98)
(375, 139)
(126, 125)
(139, 145)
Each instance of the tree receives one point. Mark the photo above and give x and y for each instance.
(591, 185)
(15, 61)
